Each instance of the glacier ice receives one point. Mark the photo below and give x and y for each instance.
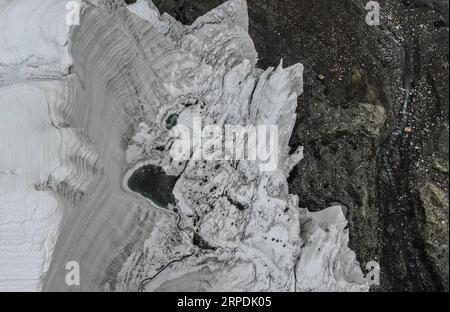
(83, 107)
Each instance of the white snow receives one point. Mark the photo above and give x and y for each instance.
(33, 55)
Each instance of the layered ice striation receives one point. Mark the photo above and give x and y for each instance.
(45, 164)
(87, 172)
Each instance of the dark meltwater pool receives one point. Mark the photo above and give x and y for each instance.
(153, 183)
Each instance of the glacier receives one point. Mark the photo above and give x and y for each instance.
(83, 107)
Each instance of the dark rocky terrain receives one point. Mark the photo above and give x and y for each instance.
(373, 120)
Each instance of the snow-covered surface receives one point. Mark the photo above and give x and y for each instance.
(29, 218)
(33, 40)
(69, 138)
(33, 57)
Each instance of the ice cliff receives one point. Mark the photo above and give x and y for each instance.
(83, 107)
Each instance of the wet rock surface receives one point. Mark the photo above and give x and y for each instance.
(373, 119)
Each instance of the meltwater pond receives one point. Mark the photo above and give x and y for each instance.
(153, 183)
